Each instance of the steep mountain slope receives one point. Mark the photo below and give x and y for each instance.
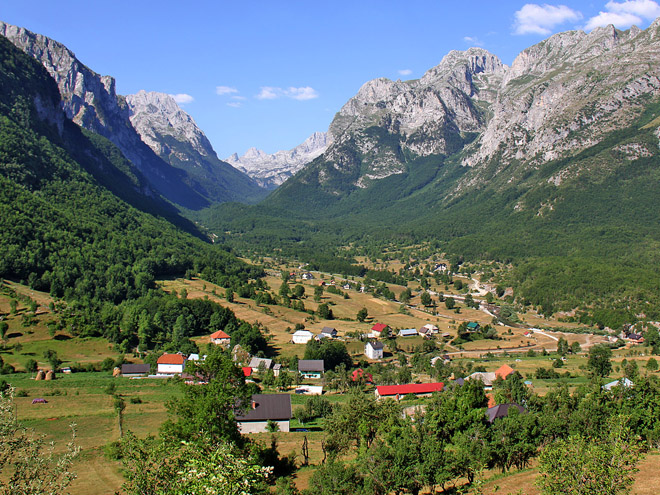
(91, 101)
(272, 170)
(173, 135)
(61, 229)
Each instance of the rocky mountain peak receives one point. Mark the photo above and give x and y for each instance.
(155, 115)
(271, 170)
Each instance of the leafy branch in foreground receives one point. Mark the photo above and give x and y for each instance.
(27, 464)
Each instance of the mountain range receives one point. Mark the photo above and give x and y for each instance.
(550, 164)
(271, 170)
(150, 130)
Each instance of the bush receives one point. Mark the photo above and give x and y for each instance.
(135, 400)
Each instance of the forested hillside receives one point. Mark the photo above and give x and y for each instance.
(79, 221)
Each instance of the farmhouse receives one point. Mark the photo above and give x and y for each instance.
(256, 362)
(504, 371)
(220, 338)
(265, 407)
(487, 378)
(307, 276)
(502, 411)
(302, 336)
(399, 391)
(171, 364)
(625, 383)
(329, 332)
(310, 368)
(373, 350)
(428, 329)
(473, 326)
(408, 332)
(132, 370)
(377, 330)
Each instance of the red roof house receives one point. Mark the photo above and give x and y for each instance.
(398, 391)
(378, 328)
(169, 364)
(504, 371)
(220, 338)
(247, 371)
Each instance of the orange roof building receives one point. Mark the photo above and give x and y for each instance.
(504, 371)
(220, 338)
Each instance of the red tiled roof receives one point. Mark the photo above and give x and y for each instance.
(504, 371)
(379, 327)
(219, 335)
(413, 388)
(491, 400)
(170, 359)
(247, 371)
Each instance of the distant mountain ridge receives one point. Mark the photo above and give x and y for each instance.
(91, 101)
(271, 170)
(174, 136)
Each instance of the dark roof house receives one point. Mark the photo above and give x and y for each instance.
(307, 365)
(267, 406)
(502, 411)
(135, 369)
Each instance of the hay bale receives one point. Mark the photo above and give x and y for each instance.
(50, 375)
(40, 375)
(116, 372)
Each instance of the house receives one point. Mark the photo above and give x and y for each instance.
(373, 350)
(408, 332)
(276, 369)
(625, 383)
(428, 329)
(487, 378)
(220, 338)
(504, 371)
(310, 368)
(264, 408)
(170, 364)
(399, 391)
(346, 286)
(256, 362)
(635, 338)
(247, 371)
(307, 276)
(360, 374)
(502, 411)
(378, 329)
(302, 336)
(329, 332)
(473, 326)
(440, 267)
(131, 370)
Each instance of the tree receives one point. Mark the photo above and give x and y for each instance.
(318, 292)
(450, 303)
(575, 348)
(208, 411)
(405, 296)
(3, 329)
(579, 465)
(562, 346)
(28, 465)
(31, 365)
(426, 299)
(284, 380)
(51, 356)
(298, 291)
(362, 315)
(229, 295)
(333, 353)
(155, 467)
(599, 360)
(652, 365)
(119, 405)
(324, 312)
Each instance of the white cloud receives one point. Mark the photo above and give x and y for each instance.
(269, 93)
(625, 14)
(225, 90)
(473, 41)
(405, 72)
(182, 98)
(648, 9)
(272, 93)
(542, 19)
(239, 98)
(235, 104)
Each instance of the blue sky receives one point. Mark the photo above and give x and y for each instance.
(269, 74)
